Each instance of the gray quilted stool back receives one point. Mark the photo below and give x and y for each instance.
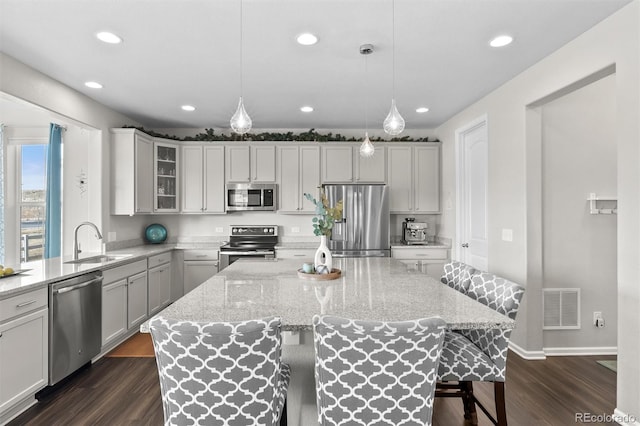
(487, 361)
(220, 373)
(457, 275)
(373, 372)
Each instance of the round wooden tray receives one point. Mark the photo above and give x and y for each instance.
(333, 275)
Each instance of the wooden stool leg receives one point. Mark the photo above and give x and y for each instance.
(469, 403)
(501, 409)
(283, 416)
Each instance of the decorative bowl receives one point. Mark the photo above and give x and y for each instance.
(155, 233)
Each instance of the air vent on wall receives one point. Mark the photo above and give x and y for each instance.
(561, 307)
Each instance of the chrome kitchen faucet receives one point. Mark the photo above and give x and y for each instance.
(76, 250)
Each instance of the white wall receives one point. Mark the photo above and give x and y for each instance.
(616, 40)
(27, 84)
(579, 156)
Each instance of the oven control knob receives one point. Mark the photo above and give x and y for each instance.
(265, 230)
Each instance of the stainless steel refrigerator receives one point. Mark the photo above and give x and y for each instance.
(364, 228)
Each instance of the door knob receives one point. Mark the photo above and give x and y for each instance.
(465, 245)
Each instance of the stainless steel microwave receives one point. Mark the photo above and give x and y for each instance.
(250, 196)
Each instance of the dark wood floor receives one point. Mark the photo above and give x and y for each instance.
(125, 391)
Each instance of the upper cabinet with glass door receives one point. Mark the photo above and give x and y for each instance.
(166, 174)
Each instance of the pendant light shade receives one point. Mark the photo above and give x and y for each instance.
(366, 149)
(240, 121)
(394, 123)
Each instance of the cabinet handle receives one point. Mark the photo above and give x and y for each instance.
(0, 334)
(299, 255)
(22, 305)
(465, 245)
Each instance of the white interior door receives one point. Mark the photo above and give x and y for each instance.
(472, 162)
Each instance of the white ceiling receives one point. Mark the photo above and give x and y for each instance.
(179, 52)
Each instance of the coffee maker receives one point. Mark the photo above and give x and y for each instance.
(414, 233)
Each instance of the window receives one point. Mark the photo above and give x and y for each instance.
(31, 200)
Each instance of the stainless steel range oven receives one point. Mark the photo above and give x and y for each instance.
(249, 242)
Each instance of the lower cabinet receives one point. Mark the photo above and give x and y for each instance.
(199, 266)
(114, 311)
(136, 299)
(159, 277)
(124, 300)
(429, 261)
(303, 254)
(23, 357)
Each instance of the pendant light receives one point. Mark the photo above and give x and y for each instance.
(240, 121)
(366, 149)
(394, 123)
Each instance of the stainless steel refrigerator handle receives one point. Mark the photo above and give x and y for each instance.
(75, 287)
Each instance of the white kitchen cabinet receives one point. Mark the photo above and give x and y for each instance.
(423, 259)
(414, 178)
(24, 346)
(159, 282)
(114, 311)
(122, 300)
(199, 266)
(370, 169)
(136, 299)
(202, 179)
(302, 254)
(337, 163)
(131, 172)
(298, 173)
(426, 170)
(343, 164)
(250, 163)
(166, 177)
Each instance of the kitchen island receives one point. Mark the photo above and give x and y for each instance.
(370, 288)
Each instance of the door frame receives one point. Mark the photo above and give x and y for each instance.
(460, 133)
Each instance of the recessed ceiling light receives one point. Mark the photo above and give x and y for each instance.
(307, 39)
(306, 109)
(93, 84)
(108, 37)
(422, 110)
(501, 41)
(188, 108)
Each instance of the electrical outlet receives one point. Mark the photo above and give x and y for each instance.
(295, 229)
(219, 229)
(111, 236)
(598, 320)
(507, 235)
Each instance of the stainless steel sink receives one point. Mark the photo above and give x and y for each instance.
(99, 259)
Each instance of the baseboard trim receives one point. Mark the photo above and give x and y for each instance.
(528, 355)
(584, 351)
(624, 419)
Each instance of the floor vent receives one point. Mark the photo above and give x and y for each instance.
(561, 307)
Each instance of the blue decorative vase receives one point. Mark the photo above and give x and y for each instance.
(155, 233)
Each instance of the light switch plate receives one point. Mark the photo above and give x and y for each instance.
(507, 235)
(111, 236)
(219, 229)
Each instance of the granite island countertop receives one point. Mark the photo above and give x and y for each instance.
(370, 288)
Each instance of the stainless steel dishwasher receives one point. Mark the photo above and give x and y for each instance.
(75, 324)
